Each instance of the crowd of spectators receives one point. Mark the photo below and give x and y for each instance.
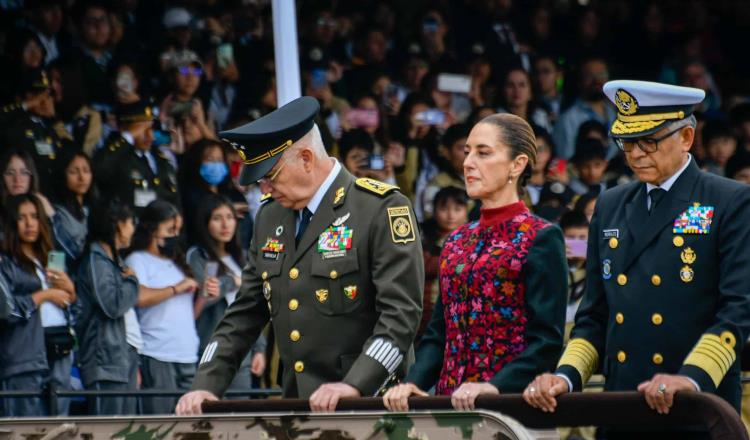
(152, 255)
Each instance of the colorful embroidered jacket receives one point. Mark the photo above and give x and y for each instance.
(501, 313)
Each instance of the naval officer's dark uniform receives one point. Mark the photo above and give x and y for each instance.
(344, 299)
(668, 290)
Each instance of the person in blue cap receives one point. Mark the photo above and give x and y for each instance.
(667, 302)
(335, 263)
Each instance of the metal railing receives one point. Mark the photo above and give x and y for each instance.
(617, 410)
(51, 395)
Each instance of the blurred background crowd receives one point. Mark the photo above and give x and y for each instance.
(111, 109)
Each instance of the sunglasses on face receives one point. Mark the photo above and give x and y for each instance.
(189, 70)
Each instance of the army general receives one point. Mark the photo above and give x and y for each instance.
(667, 302)
(335, 263)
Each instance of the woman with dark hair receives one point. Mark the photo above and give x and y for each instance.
(75, 196)
(205, 171)
(107, 293)
(545, 151)
(165, 305)
(24, 52)
(217, 261)
(517, 98)
(20, 177)
(38, 350)
(503, 282)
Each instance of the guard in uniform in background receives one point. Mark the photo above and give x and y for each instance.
(28, 124)
(129, 168)
(335, 263)
(667, 302)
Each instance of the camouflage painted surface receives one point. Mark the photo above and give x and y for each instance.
(376, 425)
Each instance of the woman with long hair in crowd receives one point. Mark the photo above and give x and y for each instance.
(107, 328)
(37, 352)
(75, 196)
(217, 261)
(165, 304)
(503, 282)
(20, 177)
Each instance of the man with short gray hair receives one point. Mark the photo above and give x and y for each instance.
(335, 264)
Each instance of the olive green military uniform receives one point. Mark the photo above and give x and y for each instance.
(29, 133)
(121, 172)
(344, 303)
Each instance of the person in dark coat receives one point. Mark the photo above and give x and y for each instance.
(503, 282)
(666, 308)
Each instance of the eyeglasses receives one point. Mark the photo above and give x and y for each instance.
(13, 174)
(268, 179)
(647, 145)
(187, 70)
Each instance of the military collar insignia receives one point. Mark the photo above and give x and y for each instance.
(695, 220)
(340, 221)
(339, 195)
(625, 102)
(265, 197)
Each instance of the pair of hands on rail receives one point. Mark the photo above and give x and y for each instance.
(325, 398)
(462, 399)
(659, 392)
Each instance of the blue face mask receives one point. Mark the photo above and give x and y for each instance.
(214, 172)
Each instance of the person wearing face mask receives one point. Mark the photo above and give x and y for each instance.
(203, 172)
(165, 304)
(129, 168)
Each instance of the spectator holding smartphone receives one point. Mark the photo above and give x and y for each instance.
(38, 351)
(107, 294)
(217, 261)
(165, 305)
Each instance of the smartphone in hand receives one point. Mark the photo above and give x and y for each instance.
(56, 261)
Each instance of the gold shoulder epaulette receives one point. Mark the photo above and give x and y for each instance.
(375, 186)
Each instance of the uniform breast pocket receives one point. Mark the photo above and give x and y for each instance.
(336, 283)
(269, 271)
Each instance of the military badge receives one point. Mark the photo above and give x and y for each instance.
(625, 102)
(686, 274)
(335, 238)
(266, 290)
(350, 292)
(696, 220)
(402, 229)
(279, 230)
(688, 255)
(272, 249)
(340, 221)
(607, 269)
(322, 295)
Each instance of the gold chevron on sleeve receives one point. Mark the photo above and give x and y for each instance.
(582, 356)
(714, 355)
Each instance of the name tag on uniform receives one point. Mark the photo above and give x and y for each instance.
(611, 233)
(44, 148)
(143, 197)
(696, 220)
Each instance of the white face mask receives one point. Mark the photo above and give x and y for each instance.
(125, 83)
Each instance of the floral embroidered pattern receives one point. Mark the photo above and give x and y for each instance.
(482, 288)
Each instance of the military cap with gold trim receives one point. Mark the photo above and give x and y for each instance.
(36, 81)
(139, 111)
(260, 143)
(644, 107)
